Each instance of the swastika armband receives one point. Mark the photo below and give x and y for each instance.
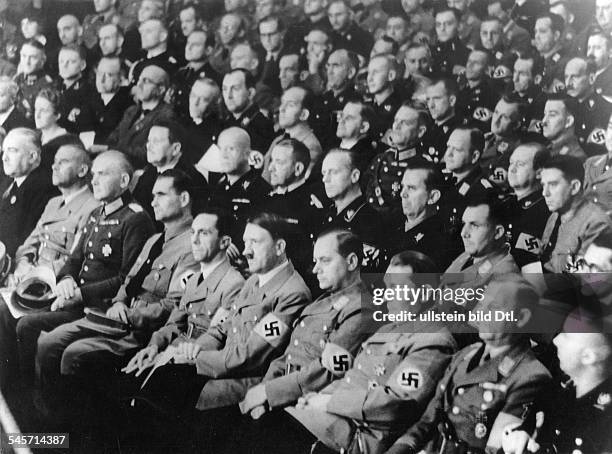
(336, 359)
(407, 379)
(597, 136)
(528, 243)
(271, 329)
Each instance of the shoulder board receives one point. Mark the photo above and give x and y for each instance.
(315, 201)
(172, 59)
(135, 207)
(48, 78)
(486, 183)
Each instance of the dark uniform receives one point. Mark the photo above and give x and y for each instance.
(16, 119)
(536, 100)
(105, 251)
(592, 119)
(478, 103)
(354, 39)
(182, 82)
(554, 67)
(253, 121)
(325, 118)
(430, 237)
(366, 150)
(448, 55)
(29, 86)
(435, 139)
(603, 82)
(21, 207)
(527, 219)
(578, 424)
(240, 198)
(495, 158)
(384, 113)
(383, 182)
(364, 221)
(471, 396)
(108, 116)
(393, 377)
(200, 134)
(75, 115)
(165, 60)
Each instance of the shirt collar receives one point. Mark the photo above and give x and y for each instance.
(110, 208)
(208, 268)
(5, 115)
(267, 277)
(19, 180)
(74, 195)
(177, 229)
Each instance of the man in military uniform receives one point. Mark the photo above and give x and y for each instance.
(152, 288)
(52, 240)
(326, 337)
(131, 133)
(527, 209)
(548, 42)
(449, 54)
(575, 221)
(218, 367)
(441, 103)
(241, 188)
(506, 123)
(350, 210)
(577, 416)
(597, 174)
(353, 130)
(105, 251)
(487, 385)
(197, 67)
(382, 179)
(592, 111)
(348, 34)
(478, 97)
(32, 77)
(599, 46)
(75, 116)
(238, 92)
(422, 226)
(559, 126)
(271, 30)
(232, 30)
(316, 18)
(382, 73)
(526, 79)
(341, 68)
(105, 13)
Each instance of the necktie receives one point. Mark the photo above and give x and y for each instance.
(469, 262)
(133, 287)
(11, 192)
(550, 246)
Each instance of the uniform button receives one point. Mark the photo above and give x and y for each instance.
(86, 268)
(578, 441)
(90, 244)
(368, 351)
(196, 315)
(46, 227)
(95, 229)
(255, 317)
(234, 306)
(44, 244)
(234, 330)
(324, 327)
(302, 324)
(594, 187)
(595, 199)
(460, 391)
(296, 342)
(46, 237)
(455, 410)
(82, 281)
(288, 357)
(91, 256)
(348, 379)
(359, 366)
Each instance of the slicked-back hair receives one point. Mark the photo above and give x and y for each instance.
(225, 219)
(348, 242)
(33, 136)
(434, 178)
(419, 262)
(556, 21)
(175, 130)
(354, 159)
(477, 139)
(181, 182)
(249, 79)
(280, 25)
(80, 51)
(277, 226)
(570, 104)
(570, 166)
(299, 151)
(497, 212)
(450, 85)
(122, 161)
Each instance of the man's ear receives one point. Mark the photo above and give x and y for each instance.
(434, 197)
(500, 231)
(355, 175)
(125, 181)
(251, 94)
(83, 65)
(569, 121)
(392, 75)
(452, 100)
(304, 115)
(281, 246)
(120, 41)
(365, 127)
(83, 171)
(185, 199)
(351, 73)
(575, 186)
(475, 156)
(523, 317)
(537, 79)
(352, 261)
(298, 169)
(422, 131)
(592, 78)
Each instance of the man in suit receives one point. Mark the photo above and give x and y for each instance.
(61, 222)
(130, 135)
(165, 151)
(271, 33)
(10, 116)
(26, 189)
(84, 349)
(218, 367)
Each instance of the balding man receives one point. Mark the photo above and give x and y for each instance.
(69, 31)
(107, 248)
(106, 13)
(10, 116)
(32, 77)
(592, 110)
(131, 134)
(241, 188)
(52, 239)
(154, 41)
(25, 190)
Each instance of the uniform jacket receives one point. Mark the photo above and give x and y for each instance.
(77, 116)
(238, 351)
(51, 241)
(592, 121)
(568, 146)
(163, 286)
(108, 116)
(495, 158)
(323, 344)
(202, 301)
(29, 86)
(20, 212)
(182, 82)
(471, 396)
(598, 181)
(584, 222)
(131, 134)
(448, 55)
(16, 119)
(108, 246)
(393, 378)
(384, 113)
(253, 121)
(436, 137)
(354, 39)
(603, 82)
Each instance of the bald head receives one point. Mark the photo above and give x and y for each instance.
(235, 146)
(69, 29)
(577, 78)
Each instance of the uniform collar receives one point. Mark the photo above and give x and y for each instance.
(352, 208)
(281, 190)
(74, 195)
(208, 268)
(178, 229)
(267, 277)
(531, 199)
(115, 205)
